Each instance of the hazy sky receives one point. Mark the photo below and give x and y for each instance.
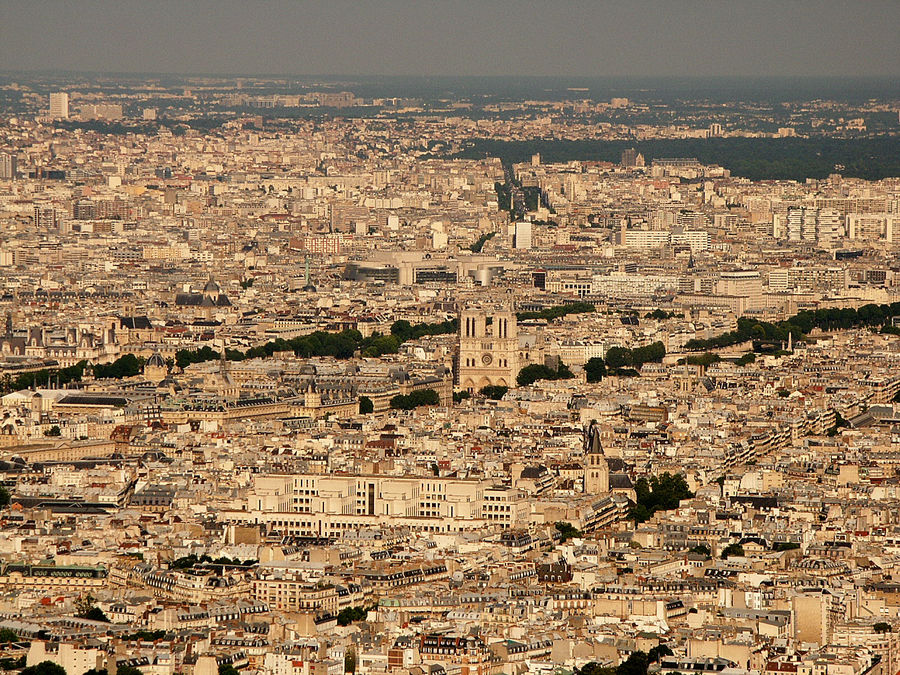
(455, 37)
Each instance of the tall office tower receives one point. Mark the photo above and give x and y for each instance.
(59, 105)
(8, 166)
(629, 157)
(522, 235)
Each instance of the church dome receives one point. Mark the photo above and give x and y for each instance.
(155, 361)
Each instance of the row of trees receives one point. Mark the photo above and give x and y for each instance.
(124, 366)
(504, 196)
(144, 636)
(405, 331)
(754, 158)
(637, 663)
(867, 316)
(481, 241)
(27, 380)
(622, 361)
(557, 311)
(624, 357)
(705, 359)
(50, 668)
(538, 371)
(340, 345)
(415, 399)
(128, 365)
(193, 560)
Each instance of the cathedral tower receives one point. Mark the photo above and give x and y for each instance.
(488, 349)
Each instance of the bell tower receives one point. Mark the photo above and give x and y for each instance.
(596, 469)
(488, 349)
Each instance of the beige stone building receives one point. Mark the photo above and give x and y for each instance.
(492, 351)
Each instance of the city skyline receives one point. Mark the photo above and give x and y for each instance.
(430, 374)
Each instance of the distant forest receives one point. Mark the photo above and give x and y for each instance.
(753, 158)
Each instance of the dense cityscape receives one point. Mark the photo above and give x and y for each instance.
(314, 376)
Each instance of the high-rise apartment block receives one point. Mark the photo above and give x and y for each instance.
(59, 105)
(8, 166)
(632, 158)
(523, 235)
(47, 218)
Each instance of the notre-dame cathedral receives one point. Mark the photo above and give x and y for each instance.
(492, 351)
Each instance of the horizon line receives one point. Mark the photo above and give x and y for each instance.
(687, 77)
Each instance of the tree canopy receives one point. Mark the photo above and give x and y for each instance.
(660, 493)
(656, 653)
(557, 311)
(366, 406)
(754, 158)
(350, 614)
(44, 668)
(479, 243)
(494, 392)
(340, 345)
(567, 531)
(732, 550)
(637, 663)
(595, 369)
(538, 371)
(622, 357)
(871, 316)
(415, 399)
(128, 365)
(86, 608)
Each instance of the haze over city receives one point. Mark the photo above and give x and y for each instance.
(453, 338)
(456, 37)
